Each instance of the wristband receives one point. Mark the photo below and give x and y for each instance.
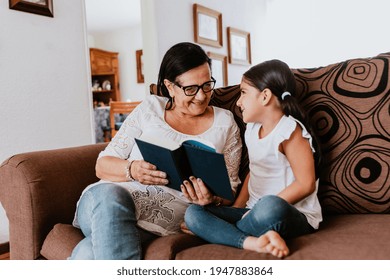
(128, 172)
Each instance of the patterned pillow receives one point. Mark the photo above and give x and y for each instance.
(349, 107)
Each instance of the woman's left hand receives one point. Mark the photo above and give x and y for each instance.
(196, 191)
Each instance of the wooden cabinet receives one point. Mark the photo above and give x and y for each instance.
(105, 76)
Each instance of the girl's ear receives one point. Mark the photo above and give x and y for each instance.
(169, 86)
(266, 96)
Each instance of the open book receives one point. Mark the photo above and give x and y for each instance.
(191, 157)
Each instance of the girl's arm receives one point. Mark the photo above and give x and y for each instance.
(243, 196)
(300, 155)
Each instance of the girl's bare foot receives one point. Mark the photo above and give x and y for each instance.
(270, 242)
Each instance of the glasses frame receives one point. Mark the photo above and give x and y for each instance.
(198, 87)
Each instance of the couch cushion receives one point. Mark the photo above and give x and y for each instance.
(167, 247)
(343, 237)
(348, 104)
(60, 242)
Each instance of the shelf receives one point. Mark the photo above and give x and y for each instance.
(104, 67)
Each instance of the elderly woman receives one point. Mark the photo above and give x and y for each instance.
(131, 202)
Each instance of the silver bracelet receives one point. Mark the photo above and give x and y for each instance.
(128, 172)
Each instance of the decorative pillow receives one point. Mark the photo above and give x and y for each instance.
(349, 107)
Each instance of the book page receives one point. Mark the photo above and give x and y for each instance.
(159, 141)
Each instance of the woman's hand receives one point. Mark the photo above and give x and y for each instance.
(196, 191)
(147, 173)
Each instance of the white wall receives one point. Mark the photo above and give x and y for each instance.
(307, 33)
(167, 22)
(124, 41)
(303, 33)
(45, 100)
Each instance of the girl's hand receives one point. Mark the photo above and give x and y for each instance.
(196, 191)
(147, 173)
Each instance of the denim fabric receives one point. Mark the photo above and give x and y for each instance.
(227, 226)
(106, 214)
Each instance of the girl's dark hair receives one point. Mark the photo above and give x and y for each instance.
(179, 59)
(278, 77)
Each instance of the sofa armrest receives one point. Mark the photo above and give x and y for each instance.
(41, 189)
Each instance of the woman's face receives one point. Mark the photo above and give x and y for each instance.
(191, 105)
(249, 102)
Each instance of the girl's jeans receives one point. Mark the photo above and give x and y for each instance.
(227, 226)
(106, 214)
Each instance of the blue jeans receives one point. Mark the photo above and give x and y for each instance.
(106, 214)
(225, 225)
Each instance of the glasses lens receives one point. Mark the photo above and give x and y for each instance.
(208, 86)
(190, 90)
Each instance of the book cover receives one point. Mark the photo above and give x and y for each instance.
(191, 157)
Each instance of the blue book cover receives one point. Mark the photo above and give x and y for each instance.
(192, 157)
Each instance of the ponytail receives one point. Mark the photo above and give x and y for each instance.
(278, 77)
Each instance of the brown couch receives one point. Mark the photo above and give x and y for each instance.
(348, 104)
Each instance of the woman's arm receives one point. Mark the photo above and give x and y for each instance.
(232, 154)
(243, 196)
(300, 156)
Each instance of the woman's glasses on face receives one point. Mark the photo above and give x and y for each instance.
(193, 89)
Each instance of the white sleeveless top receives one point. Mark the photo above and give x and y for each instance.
(270, 171)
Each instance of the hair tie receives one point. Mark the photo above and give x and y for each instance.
(286, 93)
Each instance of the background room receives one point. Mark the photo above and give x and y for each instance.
(45, 71)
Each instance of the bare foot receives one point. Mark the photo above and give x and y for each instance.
(270, 242)
(184, 228)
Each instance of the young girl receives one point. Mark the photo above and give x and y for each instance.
(279, 196)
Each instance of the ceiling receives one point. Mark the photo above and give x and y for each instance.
(107, 15)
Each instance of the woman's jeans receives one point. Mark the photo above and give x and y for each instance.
(106, 214)
(227, 226)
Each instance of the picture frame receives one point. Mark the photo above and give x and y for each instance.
(219, 69)
(239, 46)
(140, 66)
(39, 7)
(207, 26)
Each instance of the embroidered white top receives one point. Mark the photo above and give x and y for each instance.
(169, 205)
(270, 171)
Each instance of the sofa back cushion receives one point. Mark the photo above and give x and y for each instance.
(348, 104)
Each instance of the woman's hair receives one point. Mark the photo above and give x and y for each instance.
(179, 59)
(278, 77)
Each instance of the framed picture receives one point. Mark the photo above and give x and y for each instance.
(239, 46)
(140, 66)
(207, 26)
(40, 7)
(219, 69)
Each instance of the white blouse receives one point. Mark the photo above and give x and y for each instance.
(160, 209)
(270, 171)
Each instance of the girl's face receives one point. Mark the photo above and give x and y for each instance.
(196, 104)
(250, 102)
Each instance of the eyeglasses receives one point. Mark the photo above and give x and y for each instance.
(193, 89)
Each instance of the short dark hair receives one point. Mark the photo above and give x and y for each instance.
(179, 59)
